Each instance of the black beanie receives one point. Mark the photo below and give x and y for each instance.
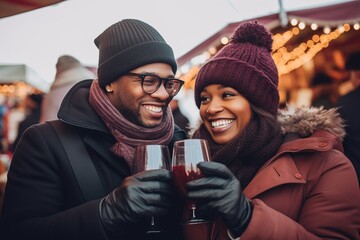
(127, 45)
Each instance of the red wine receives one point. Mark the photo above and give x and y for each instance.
(182, 176)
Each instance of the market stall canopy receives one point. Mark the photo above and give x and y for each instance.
(328, 16)
(10, 74)
(13, 7)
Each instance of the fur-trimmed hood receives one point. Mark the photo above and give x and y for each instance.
(305, 120)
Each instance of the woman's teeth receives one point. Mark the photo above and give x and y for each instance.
(221, 123)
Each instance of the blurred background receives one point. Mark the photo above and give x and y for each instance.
(312, 39)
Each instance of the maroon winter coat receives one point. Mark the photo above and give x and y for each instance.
(308, 190)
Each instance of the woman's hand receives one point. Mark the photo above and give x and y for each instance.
(219, 193)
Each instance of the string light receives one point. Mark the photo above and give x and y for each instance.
(18, 89)
(212, 50)
(294, 22)
(286, 61)
(327, 30)
(341, 28)
(316, 38)
(356, 26)
(224, 40)
(314, 26)
(281, 39)
(302, 25)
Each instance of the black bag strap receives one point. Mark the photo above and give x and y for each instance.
(80, 161)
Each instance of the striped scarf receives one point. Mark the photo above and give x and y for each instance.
(127, 134)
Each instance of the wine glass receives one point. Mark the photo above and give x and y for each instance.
(186, 155)
(150, 157)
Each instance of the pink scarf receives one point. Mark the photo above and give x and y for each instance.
(127, 134)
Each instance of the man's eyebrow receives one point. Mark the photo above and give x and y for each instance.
(156, 74)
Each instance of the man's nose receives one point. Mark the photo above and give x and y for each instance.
(161, 93)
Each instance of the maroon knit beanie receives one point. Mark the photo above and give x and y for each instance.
(245, 65)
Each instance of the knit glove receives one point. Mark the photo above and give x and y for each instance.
(140, 196)
(219, 193)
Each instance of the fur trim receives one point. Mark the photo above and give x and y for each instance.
(305, 120)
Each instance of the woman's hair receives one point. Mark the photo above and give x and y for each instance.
(261, 112)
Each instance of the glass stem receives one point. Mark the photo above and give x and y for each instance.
(152, 221)
(193, 215)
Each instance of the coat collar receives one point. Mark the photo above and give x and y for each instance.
(281, 168)
(76, 110)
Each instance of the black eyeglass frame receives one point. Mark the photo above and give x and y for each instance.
(163, 80)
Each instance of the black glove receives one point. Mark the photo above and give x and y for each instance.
(219, 192)
(140, 196)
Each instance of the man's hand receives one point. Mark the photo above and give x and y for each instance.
(140, 196)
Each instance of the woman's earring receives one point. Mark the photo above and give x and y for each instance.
(109, 89)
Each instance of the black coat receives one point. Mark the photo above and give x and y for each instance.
(43, 199)
(349, 105)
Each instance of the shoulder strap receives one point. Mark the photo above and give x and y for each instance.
(80, 161)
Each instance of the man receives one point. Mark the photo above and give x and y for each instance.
(349, 104)
(127, 106)
(32, 104)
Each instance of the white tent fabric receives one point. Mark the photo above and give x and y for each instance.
(22, 73)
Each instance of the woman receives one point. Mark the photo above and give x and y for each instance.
(273, 175)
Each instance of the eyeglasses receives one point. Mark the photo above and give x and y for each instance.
(151, 83)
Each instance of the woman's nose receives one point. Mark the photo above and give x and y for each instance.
(214, 107)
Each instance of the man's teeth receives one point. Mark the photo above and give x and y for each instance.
(221, 123)
(153, 108)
